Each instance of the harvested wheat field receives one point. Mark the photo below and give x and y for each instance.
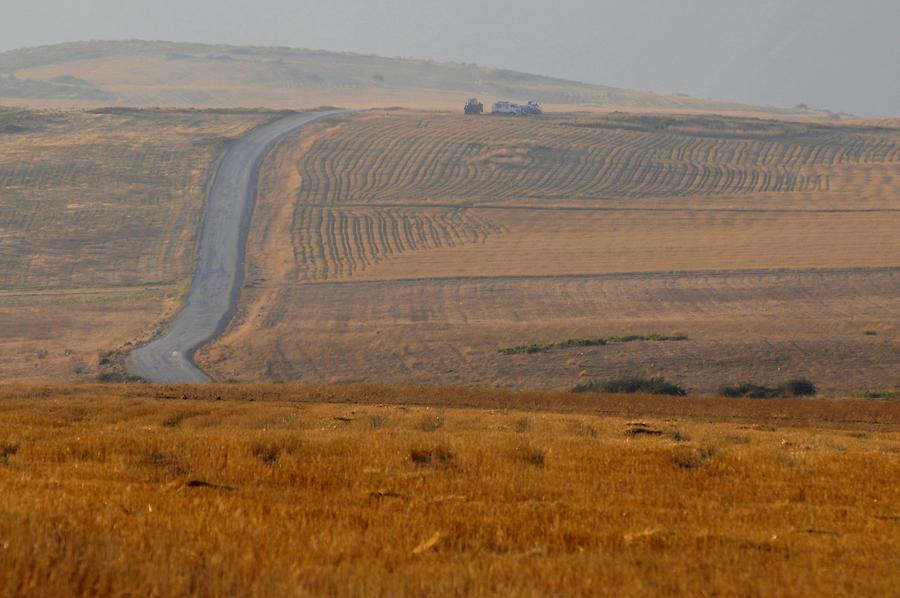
(399, 246)
(98, 219)
(274, 490)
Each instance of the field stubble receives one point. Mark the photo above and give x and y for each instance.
(98, 219)
(405, 246)
(278, 489)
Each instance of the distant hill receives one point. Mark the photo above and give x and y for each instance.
(177, 74)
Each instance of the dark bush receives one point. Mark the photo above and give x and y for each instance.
(591, 342)
(881, 394)
(633, 385)
(116, 377)
(626, 338)
(532, 348)
(581, 342)
(753, 391)
(798, 387)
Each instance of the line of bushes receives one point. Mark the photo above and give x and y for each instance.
(590, 342)
(633, 385)
(798, 387)
(881, 394)
(118, 377)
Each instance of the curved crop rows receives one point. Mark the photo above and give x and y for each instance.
(338, 242)
(410, 157)
(394, 246)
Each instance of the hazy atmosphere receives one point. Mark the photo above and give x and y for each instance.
(457, 298)
(825, 53)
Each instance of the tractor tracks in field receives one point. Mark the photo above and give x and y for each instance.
(552, 208)
(637, 275)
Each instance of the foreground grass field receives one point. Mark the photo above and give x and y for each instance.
(400, 246)
(368, 490)
(98, 218)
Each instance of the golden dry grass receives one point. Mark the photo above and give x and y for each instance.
(409, 246)
(98, 221)
(335, 490)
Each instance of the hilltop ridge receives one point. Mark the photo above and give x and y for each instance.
(143, 73)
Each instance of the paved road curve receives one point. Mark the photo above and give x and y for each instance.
(213, 295)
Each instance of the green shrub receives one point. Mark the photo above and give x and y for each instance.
(625, 338)
(532, 348)
(580, 342)
(590, 342)
(671, 337)
(633, 385)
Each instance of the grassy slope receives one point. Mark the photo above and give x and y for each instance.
(163, 73)
(336, 490)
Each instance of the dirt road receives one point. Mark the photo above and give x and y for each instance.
(213, 295)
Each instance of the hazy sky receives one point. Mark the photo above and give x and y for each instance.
(837, 54)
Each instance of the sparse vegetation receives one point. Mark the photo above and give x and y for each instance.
(590, 342)
(633, 385)
(530, 455)
(438, 456)
(882, 394)
(431, 422)
(7, 450)
(377, 421)
(523, 425)
(799, 387)
(693, 458)
(118, 377)
(747, 389)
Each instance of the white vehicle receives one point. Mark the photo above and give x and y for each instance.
(504, 107)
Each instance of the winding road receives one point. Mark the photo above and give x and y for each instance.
(213, 295)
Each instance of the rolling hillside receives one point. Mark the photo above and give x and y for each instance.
(164, 73)
(399, 246)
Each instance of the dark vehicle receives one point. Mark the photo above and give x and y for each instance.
(473, 106)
